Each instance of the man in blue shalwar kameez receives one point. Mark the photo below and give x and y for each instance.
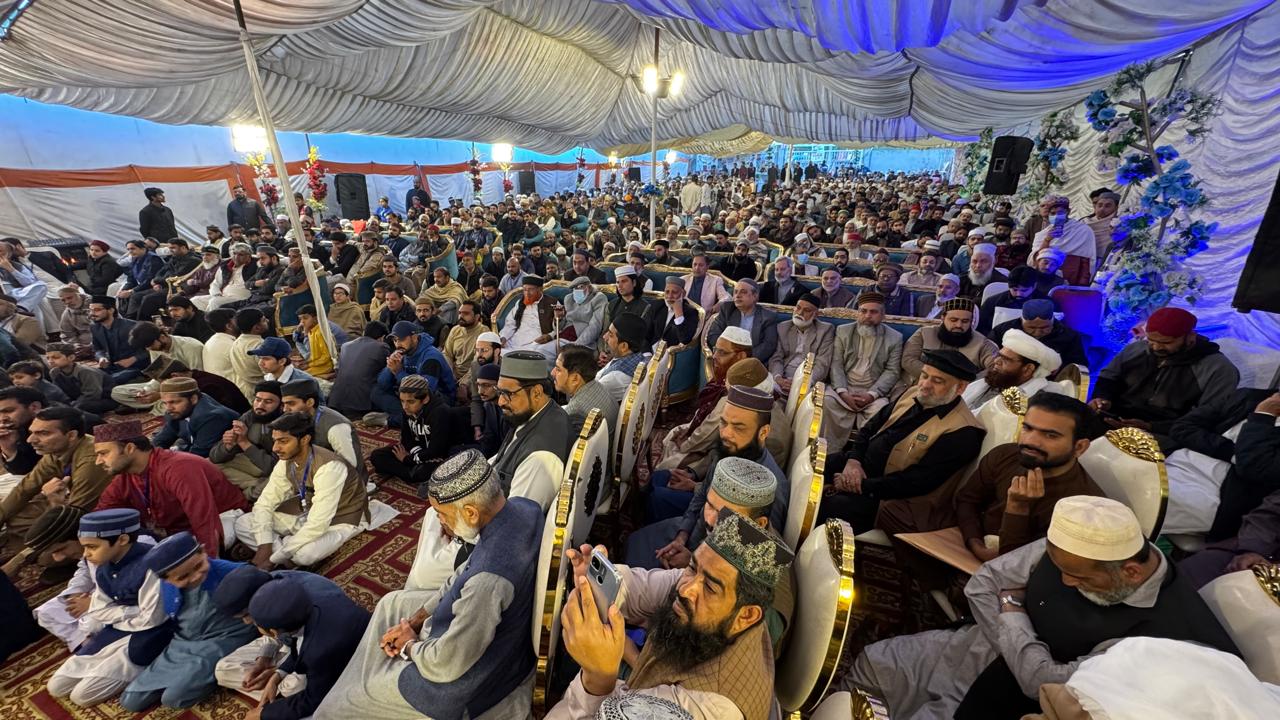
(183, 674)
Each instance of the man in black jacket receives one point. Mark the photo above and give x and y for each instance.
(739, 265)
(341, 256)
(245, 211)
(188, 321)
(424, 435)
(144, 303)
(1038, 322)
(674, 319)
(782, 289)
(155, 220)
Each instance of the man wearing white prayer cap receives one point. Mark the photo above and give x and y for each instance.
(982, 272)
(1024, 362)
(1040, 611)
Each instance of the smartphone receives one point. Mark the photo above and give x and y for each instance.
(606, 583)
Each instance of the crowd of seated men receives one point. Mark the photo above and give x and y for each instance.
(190, 552)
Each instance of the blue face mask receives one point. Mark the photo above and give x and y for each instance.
(580, 295)
(802, 258)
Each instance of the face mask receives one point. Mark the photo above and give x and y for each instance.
(163, 251)
(802, 258)
(579, 295)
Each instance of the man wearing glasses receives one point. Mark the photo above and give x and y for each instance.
(538, 443)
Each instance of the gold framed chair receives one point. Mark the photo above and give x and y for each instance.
(806, 474)
(1074, 381)
(659, 372)
(549, 591)
(587, 467)
(1128, 465)
(1247, 603)
(629, 437)
(686, 360)
(826, 595)
(1002, 417)
(799, 384)
(856, 705)
(806, 424)
(172, 283)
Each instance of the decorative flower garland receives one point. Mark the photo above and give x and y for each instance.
(315, 181)
(1056, 130)
(974, 162)
(582, 170)
(1153, 242)
(267, 190)
(651, 191)
(474, 167)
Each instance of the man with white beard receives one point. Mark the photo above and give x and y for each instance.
(982, 272)
(930, 306)
(1023, 362)
(864, 371)
(1040, 611)
(796, 339)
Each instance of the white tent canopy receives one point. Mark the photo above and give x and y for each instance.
(554, 74)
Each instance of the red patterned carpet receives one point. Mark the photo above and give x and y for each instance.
(369, 566)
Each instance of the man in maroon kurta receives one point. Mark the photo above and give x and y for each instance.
(174, 491)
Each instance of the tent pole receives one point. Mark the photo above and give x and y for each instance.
(282, 174)
(653, 148)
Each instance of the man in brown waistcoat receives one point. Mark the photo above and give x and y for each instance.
(911, 455)
(312, 503)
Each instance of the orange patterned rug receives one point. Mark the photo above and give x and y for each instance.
(369, 566)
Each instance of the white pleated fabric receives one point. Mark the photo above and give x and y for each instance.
(550, 75)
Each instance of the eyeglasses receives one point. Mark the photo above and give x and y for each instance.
(508, 394)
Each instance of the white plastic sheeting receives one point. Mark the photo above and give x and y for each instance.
(554, 74)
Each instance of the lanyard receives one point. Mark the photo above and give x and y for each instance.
(145, 496)
(302, 486)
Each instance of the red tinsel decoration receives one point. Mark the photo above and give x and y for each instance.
(507, 186)
(476, 181)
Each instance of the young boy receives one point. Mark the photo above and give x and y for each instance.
(29, 373)
(125, 620)
(56, 533)
(184, 673)
(88, 387)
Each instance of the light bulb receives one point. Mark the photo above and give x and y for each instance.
(649, 79)
(677, 84)
(502, 152)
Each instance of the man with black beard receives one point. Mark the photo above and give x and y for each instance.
(245, 454)
(707, 649)
(1008, 501)
(1024, 363)
(955, 333)
(744, 426)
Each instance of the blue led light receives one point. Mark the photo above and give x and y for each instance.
(11, 16)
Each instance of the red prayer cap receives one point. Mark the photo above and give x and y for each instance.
(1171, 322)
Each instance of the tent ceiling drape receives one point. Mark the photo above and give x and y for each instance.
(554, 74)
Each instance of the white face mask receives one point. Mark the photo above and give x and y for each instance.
(163, 251)
(580, 295)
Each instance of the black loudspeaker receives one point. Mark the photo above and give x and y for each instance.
(1259, 286)
(525, 183)
(1009, 156)
(353, 195)
(633, 174)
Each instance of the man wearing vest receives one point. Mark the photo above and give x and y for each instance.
(333, 431)
(539, 434)
(707, 649)
(911, 455)
(312, 503)
(463, 650)
(1040, 611)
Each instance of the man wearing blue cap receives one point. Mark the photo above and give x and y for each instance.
(416, 354)
(273, 359)
(183, 674)
(125, 619)
(310, 629)
(1038, 321)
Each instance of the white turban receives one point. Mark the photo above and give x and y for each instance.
(737, 336)
(984, 248)
(1032, 349)
(1095, 528)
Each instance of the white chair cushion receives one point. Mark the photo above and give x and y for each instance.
(806, 424)
(630, 433)
(1127, 465)
(586, 469)
(806, 492)
(799, 384)
(1251, 617)
(824, 606)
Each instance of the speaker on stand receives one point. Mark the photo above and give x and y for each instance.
(633, 174)
(1009, 156)
(525, 182)
(1259, 285)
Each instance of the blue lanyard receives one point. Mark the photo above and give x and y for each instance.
(302, 486)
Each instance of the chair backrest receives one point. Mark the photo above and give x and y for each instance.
(1081, 307)
(447, 259)
(993, 289)
(1128, 465)
(806, 474)
(630, 433)
(1002, 418)
(659, 371)
(1003, 315)
(825, 599)
(587, 468)
(1074, 381)
(1247, 604)
(683, 380)
(858, 705)
(799, 384)
(287, 306)
(549, 591)
(806, 424)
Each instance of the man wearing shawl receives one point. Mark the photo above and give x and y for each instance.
(707, 649)
(463, 650)
(183, 674)
(689, 443)
(1040, 611)
(445, 293)
(310, 629)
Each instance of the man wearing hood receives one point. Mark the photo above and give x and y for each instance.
(1153, 382)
